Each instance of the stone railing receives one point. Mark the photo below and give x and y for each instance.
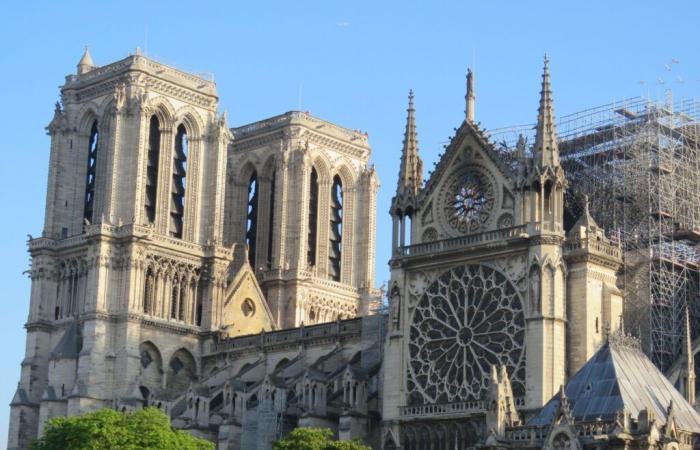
(527, 433)
(339, 329)
(444, 409)
(451, 409)
(535, 433)
(594, 246)
(503, 234)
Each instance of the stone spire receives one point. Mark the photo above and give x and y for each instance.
(85, 64)
(411, 170)
(470, 97)
(546, 147)
(689, 361)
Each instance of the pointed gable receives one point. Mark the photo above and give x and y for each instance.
(621, 377)
(245, 310)
(469, 158)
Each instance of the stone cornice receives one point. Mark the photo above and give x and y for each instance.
(317, 131)
(125, 234)
(153, 75)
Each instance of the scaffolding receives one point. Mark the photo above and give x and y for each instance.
(638, 162)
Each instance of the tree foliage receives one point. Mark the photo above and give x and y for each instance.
(147, 429)
(315, 439)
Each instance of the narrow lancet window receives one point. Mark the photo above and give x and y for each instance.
(313, 219)
(148, 292)
(177, 205)
(251, 230)
(152, 169)
(336, 231)
(271, 221)
(91, 173)
(174, 300)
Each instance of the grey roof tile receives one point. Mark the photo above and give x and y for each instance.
(620, 376)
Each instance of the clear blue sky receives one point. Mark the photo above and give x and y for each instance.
(353, 63)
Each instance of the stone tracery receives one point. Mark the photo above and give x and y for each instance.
(468, 199)
(468, 319)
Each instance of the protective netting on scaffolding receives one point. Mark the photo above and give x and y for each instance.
(638, 161)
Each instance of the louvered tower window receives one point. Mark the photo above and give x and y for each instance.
(177, 201)
(251, 229)
(313, 219)
(152, 169)
(336, 232)
(271, 221)
(91, 172)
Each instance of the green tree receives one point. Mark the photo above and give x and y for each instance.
(315, 439)
(147, 429)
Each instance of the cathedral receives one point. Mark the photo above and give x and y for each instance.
(226, 276)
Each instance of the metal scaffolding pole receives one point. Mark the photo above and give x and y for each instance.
(638, 161)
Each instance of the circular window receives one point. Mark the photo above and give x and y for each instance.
(248, 307)
(469, 319)
(468, 199)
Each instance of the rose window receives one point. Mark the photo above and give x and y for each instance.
(468, 201)
(467, 320)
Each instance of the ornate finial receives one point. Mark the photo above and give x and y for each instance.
(622, 323)
(621, 339)
(471, 96)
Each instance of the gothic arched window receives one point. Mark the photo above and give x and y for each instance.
(152, 169)
(313, 219)
(251, 227)
(271, 221)
(148, 292)
(91, 172)
(173, 301)
(182, 300)
(177, 204)
(198, 298)
(336, 232)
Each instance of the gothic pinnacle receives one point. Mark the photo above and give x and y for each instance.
(546, 148)
(411, 170)
(470, 97)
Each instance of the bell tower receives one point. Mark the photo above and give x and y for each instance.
(131, 255)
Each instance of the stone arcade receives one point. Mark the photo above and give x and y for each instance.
(225, 275)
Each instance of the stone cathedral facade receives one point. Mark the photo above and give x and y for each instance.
(225, 275)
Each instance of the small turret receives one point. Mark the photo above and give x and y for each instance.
(86, 63)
